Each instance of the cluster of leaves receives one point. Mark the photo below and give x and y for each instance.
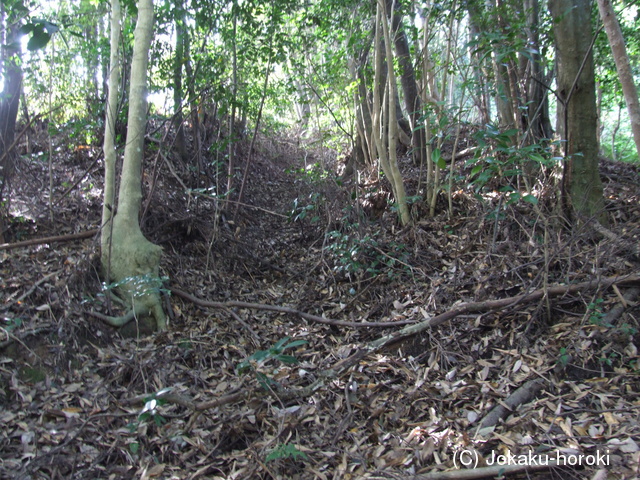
(498, 157)
(40, 32)
(301, 210)
(149, 413)
(256, 361)
(358, 255)
(286, 450)
(312, 173)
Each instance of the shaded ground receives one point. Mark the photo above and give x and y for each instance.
(73, 390)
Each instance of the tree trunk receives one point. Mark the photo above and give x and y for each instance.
(481, 93)
(231, 167)
(109, 147)
(134, 260)
(178, 91)
(412, 100)
(9, 103)
(582, 188)
(538, 124)
(389, 127)
(506, 99)
(616, 40)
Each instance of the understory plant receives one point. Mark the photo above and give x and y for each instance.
(358, 255)
(501, 164)
(258, 361)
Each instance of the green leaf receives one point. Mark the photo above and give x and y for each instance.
(476, 169)
(159, 420)
(260, 355)
(280, 343)
(39, 40)
(439, 159)
(531, 199)
(295, 343)
(513, 197)
(287, 359)
(285, 451)
(243, 367)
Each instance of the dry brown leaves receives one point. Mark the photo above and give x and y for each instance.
(67, 393)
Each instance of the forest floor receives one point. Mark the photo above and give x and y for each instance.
(508, 359)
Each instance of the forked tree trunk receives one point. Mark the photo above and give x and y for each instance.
(387, 125)
(134, 261)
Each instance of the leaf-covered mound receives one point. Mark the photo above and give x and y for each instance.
(232, 392)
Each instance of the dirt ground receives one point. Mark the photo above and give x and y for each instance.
(240, 389)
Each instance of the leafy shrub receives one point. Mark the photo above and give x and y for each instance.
(356, 255)
(497, 157)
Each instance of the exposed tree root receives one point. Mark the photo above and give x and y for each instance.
(521, 395)
(293, 311)
(122, 320)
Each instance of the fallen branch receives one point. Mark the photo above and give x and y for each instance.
(409, 332)
(59, 238)
(493, 305)
(10, 302)
(385, 342)
(292, 311)
(18, 337)
(616, 312)
(522, 395)
(493, 471)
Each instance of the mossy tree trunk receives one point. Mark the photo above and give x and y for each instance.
(131, 261)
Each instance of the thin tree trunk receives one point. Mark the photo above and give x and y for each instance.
(178, 93)
(392, 171)
(481, 95)
(232, 117)
(620, 56)
(412, 100)
(109, 147)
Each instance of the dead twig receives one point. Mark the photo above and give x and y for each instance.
(59, 238)
(30, 291)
